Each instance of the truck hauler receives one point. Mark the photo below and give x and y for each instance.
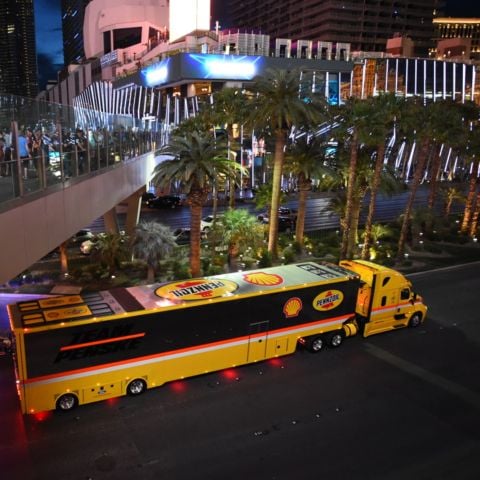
(77, 349)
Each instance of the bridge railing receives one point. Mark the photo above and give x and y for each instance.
(43, 147)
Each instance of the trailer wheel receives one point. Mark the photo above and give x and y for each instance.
(136, 387)
(316, 344)
(415, 320)
(335, 339)
(66, 402)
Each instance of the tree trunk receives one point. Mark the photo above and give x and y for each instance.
(353, 227)
(472, 191)
(304, 186)
(367, 238)
(196, 200)
(233, 252)
(276, 190)
(434, 179)
(474, 221)
(417, 178)
(150, 274)
(63, 258)
(231, 181)
(350, 194)
(448, 206)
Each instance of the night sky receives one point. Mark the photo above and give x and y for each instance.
(49, 30)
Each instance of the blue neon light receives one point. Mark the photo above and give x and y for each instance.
(156, 74)
(235, 67)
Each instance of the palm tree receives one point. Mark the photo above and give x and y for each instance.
(424, 123)
(456, 116)
(263, 197)
(472, 155)
(152, 242)
(229, 108)
(450, 195)
(472, 232)
(385, 108)
(239, 230)
(112, 249)
(354, 120)
(305, 159)
(277, 106)
(197, 159)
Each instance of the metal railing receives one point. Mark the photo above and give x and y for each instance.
(65, 155)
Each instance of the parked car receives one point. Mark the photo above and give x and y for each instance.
(206, 223)
(182, 236)
(282, 212)
(285, 224)
(87, 247)
(165, 201)
(81, 236)
(147, 196)
(288, 212)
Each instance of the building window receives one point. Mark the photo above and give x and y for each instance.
(126, 37)
(107, 44)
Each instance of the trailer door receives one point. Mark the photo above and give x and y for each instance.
(257, 341)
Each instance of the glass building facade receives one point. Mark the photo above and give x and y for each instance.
(366, 25)
(18, 55)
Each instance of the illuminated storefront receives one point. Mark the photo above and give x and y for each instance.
(186, 71)
(408, 77)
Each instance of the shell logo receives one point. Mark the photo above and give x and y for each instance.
(292, 307)
(328, 300)
(198, 289)
(263, 279)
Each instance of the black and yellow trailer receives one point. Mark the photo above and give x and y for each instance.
(83, 348)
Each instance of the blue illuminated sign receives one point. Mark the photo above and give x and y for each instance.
(235, 67)
(156, 74)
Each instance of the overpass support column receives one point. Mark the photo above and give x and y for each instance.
(134, 204)
(110, 220)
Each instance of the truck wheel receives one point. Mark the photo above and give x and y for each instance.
(415, 320)
(316, 344)
(66, 402)
(136, 387)
(335, 339)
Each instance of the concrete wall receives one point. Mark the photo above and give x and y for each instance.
(30, 231)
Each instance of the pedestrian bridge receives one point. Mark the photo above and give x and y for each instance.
(65, 185)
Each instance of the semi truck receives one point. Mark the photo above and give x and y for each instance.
(77, 349)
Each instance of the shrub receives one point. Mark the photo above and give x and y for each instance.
(265, 259)
(288, 255)
(180, 270)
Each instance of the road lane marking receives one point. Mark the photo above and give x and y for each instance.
(453, 388)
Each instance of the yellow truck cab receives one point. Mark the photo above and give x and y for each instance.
(386, 300)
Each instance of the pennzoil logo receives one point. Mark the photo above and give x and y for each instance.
(292, 307)
(65, 313)
(328, 300)
(263, 279)
(198, 289)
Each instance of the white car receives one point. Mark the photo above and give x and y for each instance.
(206, 224)
(86, 247)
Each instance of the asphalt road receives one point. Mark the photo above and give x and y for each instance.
(396, 406)
(319, 216)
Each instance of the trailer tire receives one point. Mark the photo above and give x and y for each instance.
(335, 339)
(136, 386)
(66, 402)
(316, 344)
(415, 320)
